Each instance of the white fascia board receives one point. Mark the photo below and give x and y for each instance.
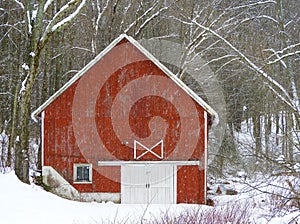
(180, 83)
(205, 155)
(43, 137)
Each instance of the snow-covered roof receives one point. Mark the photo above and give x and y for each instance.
(135, 43)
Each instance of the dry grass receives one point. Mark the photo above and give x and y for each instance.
(228, 214)
(233, 214)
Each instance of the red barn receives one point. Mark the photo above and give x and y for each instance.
(125, 129)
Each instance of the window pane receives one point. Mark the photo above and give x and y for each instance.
(83, 173)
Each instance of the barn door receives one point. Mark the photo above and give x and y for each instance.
(147, 183)
(133, 186)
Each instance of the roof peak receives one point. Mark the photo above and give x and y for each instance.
(136, 44)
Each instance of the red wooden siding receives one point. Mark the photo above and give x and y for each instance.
(150, 118)
(190, 185)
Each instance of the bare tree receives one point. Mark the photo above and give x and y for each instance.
(37, 34)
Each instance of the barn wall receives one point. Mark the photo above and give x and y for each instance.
(63, 188)
(190, 185)
(61, 150)
(150, 119)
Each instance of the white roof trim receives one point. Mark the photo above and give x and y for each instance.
(190, 92)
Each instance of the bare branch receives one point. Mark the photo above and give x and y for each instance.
(284, 95)
(282, 57)
(6, 93)
(252, 4)
(150, 18)
(292, 188)
(59, 20)
(283, 50)
(142, 16)
(47, 4)
(20, 4)
(260, 17)
(69, 18)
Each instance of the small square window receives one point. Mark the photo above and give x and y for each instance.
(82, 172)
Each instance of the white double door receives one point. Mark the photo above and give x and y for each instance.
(148, 183)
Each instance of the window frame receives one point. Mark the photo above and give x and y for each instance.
(77, 165)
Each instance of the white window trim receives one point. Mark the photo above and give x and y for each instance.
(75, 165)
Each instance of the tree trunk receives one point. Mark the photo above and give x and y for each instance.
(22, 164)
(12, 139)
(257, 134)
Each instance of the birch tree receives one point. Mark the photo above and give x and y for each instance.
(38, 29)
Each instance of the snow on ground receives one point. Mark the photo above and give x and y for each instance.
(262, 197)
(21, 204)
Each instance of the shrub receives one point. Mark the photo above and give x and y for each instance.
(231, 213)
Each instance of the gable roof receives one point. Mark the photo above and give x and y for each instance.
(180, 83)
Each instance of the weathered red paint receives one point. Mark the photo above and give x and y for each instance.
(61, 149)
(190, 185)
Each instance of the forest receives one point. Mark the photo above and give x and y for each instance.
(250, 55)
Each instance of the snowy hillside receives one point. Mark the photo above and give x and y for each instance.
(22, 203)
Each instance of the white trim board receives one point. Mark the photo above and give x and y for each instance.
(181, 84)
(120, 163)
(42, 138)
(205, 155)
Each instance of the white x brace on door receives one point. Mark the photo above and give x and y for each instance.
(147, 183)
(159, 155)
